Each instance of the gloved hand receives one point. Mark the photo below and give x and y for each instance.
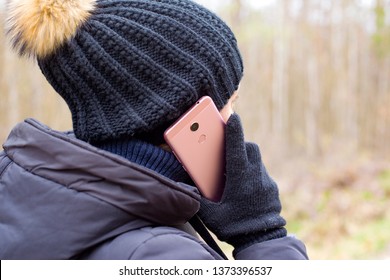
(249, 210)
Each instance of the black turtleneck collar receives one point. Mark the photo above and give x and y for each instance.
(147, 155)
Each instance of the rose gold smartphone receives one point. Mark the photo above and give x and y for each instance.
(197, 139)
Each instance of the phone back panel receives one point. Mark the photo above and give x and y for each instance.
(201, 151)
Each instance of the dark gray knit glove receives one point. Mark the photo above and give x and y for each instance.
(249, 211)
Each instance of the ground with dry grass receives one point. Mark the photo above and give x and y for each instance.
(341, 212)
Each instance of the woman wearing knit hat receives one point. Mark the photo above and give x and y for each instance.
(127, 70)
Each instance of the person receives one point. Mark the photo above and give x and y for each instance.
(127, 69)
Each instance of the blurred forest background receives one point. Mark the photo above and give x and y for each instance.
(315, 97)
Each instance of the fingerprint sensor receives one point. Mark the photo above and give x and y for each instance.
(202, 139)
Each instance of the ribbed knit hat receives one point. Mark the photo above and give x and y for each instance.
(127, 67)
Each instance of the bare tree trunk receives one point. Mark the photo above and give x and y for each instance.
(383, 120)
(352, 126)
(37, 93)
(313, 108)
(280, 77)
(10, 77)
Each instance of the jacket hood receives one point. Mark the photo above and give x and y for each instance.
(65, 190)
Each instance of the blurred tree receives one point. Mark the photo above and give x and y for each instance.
(313, 81)
(381, 37)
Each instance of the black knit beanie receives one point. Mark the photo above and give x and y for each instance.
(127, 67)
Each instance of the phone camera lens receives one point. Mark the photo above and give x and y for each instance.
(194, 126)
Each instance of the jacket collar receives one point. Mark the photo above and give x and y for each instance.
(79, 166)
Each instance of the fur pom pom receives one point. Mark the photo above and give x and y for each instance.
(38, 27)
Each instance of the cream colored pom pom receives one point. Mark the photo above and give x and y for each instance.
(39, 27)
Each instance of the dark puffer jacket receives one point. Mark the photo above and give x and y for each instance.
(61, 198)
